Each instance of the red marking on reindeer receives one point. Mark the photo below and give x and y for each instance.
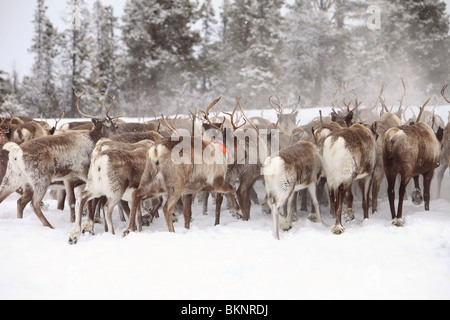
(223, 148)
(2, 138)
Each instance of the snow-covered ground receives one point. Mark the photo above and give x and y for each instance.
(236, 260)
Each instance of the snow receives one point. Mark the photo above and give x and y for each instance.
(235, 260)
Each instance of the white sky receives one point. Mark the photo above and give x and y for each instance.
(16, 28)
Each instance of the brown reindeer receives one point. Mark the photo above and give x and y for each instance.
(385, 122)
(410, 151)
(64, 157)
(187, 166)
(290, 170)
(348, 155)
(445, 158)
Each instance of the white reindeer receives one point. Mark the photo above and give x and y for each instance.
(291, 169)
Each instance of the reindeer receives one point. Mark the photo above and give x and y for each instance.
(247, 150)
(385, 122)
(285, 122)
(290, 170)
(64, 157)
(445, 158)
(115, 171)
(348, 155)
(410, 150)
(187, 166)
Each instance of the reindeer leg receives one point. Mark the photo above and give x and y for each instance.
(416, 195)
(61, 195)
(234, 207)
(205, 195)
(426, 188)
(187, 210)
(440, 175)
(349, 212)
(70, 191)
(276, 217)
(292, 210)
(244, 201)
(398, 221)
(377, 180)
(365, 188)
(304, 202)
(38, 195)
(110, 204)
(314, 216)
(136, 199)
(23, 201)
(219, 200)
(76, 230)
(391, 193)
(172, 199)
(338, 228)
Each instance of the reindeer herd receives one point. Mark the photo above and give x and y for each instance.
(138, 167)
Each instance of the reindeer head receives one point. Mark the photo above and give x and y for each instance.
(344, 117)
(104, 127)
(285, 122)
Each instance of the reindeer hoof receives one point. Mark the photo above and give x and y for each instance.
(313, 217)
(73, 240)
(88, 227)
(125, 233)
(284, 224)
(417, 197)
(147, 219)
(236, 214)
(338, 229)
(349, 214)
(398, 222)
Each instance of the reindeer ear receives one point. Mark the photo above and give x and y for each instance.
(349, 119)
(334, 116)
(373, 127)
(440, 134)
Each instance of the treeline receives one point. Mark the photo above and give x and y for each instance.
(170, 56)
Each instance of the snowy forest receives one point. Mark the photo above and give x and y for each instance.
(171, 56)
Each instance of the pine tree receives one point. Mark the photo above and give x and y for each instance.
(207, 65)
(250, 48)
(419, 36)
(105, 53)
(39, 93)
(159, 43)
(76, 43)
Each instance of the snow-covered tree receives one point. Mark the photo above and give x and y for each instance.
(76, 43)
(250, 49)
(39, 92)
(5, 86)
(159, 42)
(207, 65)
(104, 54)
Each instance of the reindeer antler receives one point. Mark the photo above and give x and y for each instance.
(421, 110)
(243, 113)
(113, 99)
(206, 114)
(443, 93)
(78, 105)
(235, 121)
(383, 103)
(278, 108)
